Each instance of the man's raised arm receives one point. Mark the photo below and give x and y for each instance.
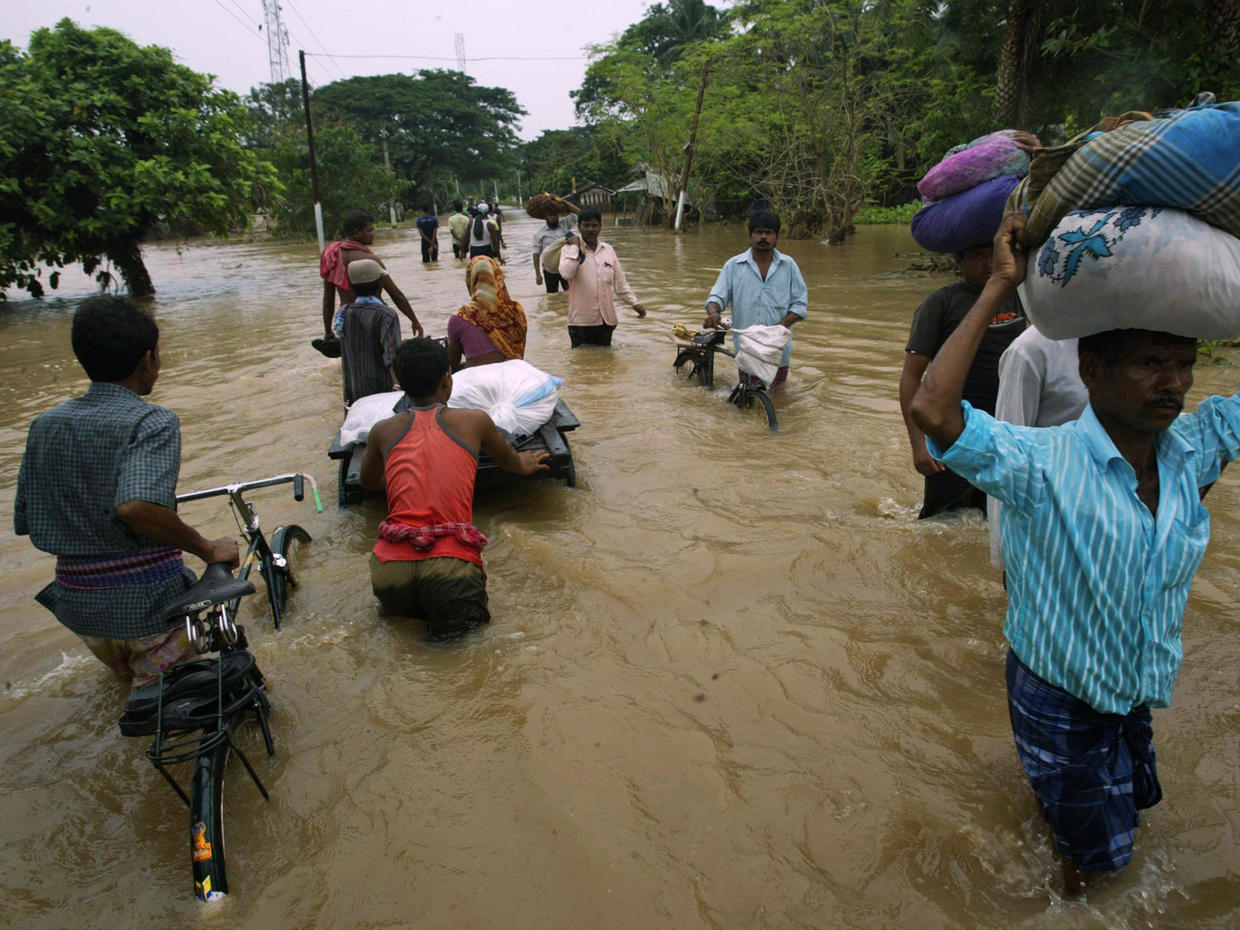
(936, 407)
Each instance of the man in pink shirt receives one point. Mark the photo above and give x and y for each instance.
(595, 279)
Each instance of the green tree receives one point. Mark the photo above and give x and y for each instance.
(351, 176)
(434, 121)
(99, 140)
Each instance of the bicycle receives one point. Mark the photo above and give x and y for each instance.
(272, 557)
(699, 351)
(195, 708)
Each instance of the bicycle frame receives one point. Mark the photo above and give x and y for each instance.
(701, 355)
(272, 565)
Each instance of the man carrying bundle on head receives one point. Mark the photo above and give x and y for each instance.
(1103, 530)
(359, 234)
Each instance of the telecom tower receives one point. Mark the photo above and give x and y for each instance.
(277, 42)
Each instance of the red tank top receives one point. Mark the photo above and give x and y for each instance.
(430, 475)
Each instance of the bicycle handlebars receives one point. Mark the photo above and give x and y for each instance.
(298, 480)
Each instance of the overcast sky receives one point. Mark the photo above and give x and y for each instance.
(221, 37)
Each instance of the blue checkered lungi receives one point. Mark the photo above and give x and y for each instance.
(1091, 772)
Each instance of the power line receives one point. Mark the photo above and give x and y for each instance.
(315, 37)
(241, 10)
(238, 19)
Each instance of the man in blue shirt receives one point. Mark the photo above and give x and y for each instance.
(428, 232)
(1103, 529)
(764, 287)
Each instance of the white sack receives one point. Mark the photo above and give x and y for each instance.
(1134, 268)
(364, 413)
(550, 256)
(518, 396)
(760, 350)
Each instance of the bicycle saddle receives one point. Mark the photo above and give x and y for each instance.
(214, 587)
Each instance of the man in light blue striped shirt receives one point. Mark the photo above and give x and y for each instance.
(1102, 533)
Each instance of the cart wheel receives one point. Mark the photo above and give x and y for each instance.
(570, 472)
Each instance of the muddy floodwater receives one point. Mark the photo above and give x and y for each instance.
(731, 681)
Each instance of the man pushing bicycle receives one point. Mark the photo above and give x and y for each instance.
(97, 489)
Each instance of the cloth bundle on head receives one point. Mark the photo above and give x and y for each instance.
(1186, 159)
(967, 190)
(491, 309)
(1134, 268)
(365, 271)
(331, 262)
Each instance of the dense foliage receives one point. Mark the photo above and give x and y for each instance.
(100, 140)
(818, 107)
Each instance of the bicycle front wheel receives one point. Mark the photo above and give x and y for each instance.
(280, 576)
(206, 818)
(752, 399)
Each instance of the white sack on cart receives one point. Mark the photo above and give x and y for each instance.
(364, 413)
(518, 397)
(760, 349)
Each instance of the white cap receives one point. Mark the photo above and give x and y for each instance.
(483, 207)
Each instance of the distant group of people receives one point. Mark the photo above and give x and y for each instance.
(1101, 527)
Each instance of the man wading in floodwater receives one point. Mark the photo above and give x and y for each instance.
(359, 235)
(1103, 529)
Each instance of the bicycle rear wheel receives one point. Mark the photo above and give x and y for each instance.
(206, 817)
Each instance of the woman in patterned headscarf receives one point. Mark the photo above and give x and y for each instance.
(491, 327)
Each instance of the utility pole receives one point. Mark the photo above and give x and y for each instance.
(277, 42)
(520, 199)
(460, 52)
(387, 163)
(314, 168)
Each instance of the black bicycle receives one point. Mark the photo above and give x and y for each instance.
(698, 350)
(196, 709)
(273, 557)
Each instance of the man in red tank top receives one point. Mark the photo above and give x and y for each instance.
(428, 560)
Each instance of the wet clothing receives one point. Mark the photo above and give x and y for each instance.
(553, 282)
(429, 475)
(758, 302)
(144, 658)
(428, 226)
(481, 234)
(544, 235)
(590, 335)
(449, 594)
(369, 343)
(491, 310)
(1096, 584)
(936, 319)
(1091, 772)
(83, 459)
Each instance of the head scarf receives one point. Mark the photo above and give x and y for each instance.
(491, 309)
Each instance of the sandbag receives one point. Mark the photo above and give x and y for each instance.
(760, 350)
(518, 397)
(963, 219)
(985, 158)
(1189, 160)
(1134, 268)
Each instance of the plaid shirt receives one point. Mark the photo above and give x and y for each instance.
(371, 338)
(83, 459)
